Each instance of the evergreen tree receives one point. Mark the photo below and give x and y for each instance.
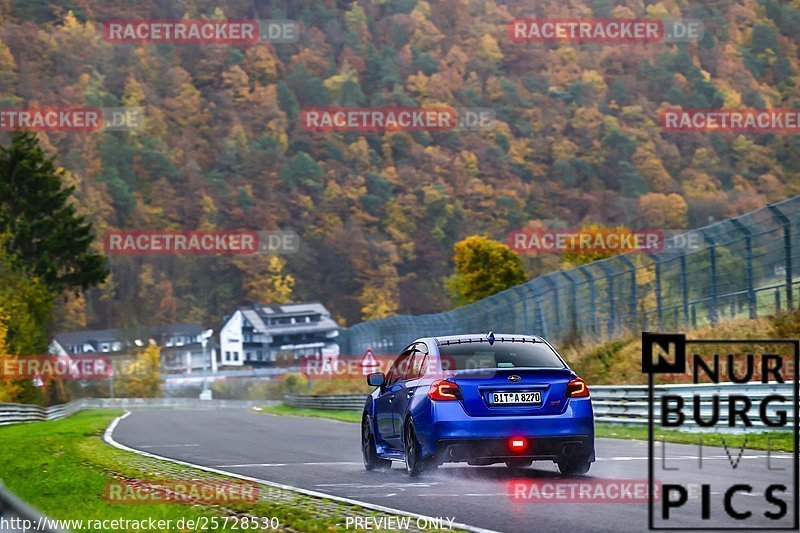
(48, 238)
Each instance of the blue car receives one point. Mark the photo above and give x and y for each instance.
(480, 399)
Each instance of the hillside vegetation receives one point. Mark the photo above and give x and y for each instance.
(576, 139)
(619, 362)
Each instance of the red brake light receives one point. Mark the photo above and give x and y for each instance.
(444, 390)
(518, 444)
(577, 389)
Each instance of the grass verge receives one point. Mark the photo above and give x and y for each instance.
(63, 467)
(283, 409)
(776, 440)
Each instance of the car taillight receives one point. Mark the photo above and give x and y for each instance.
(518, 444)
(443, 390)
(577, 389)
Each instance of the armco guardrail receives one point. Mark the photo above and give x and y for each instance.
(13, 413)
(624, 404)
(18, 516)
(341, 402)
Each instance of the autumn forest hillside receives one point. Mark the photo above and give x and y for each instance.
(576, 141)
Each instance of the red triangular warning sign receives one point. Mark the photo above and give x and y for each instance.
(369, 363)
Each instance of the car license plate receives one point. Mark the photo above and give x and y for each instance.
(511, 398)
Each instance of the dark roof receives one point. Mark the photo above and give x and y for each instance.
(256, 313)
(72, 338)
(178, 329)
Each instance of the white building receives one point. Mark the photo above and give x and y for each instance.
(263, 335)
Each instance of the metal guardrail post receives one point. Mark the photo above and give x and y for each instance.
(684, 289)
(748, 260)
(612, 315)
(787, 251)
(592, 300)
(556, 303)
(659, 303)
(509, 322)
(486, 323)
(540, 317)
(712, 251)
(634, 321)
(526, 292)
(574, 295)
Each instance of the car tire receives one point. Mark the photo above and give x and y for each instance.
(368, 451)
(574, 466)
(415, 466)
(516, 464)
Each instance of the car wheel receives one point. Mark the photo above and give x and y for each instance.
(515, 464)
(415, 465)
(370, 454)
(574, 466)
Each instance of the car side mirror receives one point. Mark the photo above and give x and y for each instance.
(376, 379)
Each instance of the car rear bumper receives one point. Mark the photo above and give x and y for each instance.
(499, 450)
(487, 436)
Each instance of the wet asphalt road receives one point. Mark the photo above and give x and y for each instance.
(324, 456)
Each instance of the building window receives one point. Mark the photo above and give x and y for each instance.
(227, 356)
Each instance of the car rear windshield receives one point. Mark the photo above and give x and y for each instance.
(477, 355)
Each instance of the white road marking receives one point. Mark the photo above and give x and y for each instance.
(108, 437)
(169, 445)
(248, 465)
(705, 457)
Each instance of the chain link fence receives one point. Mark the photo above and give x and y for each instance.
(738, 268)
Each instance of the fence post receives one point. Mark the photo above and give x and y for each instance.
(508, 317)
(684, 289)
(542, 321)
(712, 251)
(659, 309)
(485, 326)
(633, 311)
(748, 261)
(592, 302)
(556, 305)
(612, 314)
(787, 251)
(527, 292)
(574, 294)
